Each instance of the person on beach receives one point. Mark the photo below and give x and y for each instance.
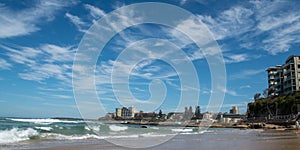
(297, 124)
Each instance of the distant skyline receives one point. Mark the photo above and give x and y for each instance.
(39, 39)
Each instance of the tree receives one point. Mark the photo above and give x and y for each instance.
(160, 114)
(197, 112)
(257, 96)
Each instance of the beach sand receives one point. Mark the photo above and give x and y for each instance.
(273, 140)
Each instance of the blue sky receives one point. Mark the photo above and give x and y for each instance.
(39, 40)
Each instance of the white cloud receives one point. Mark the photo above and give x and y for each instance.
(42, 72)
(236, 58)
(44, 62)
(230, 23)
(95, 12)
(272, 26)
(245, 86)
(58, 53)
(76, 21)
(272, 22)
(23, 22)
(280, 21)
(227, 91)
(4, 64)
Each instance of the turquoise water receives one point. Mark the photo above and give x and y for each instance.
(14, 131)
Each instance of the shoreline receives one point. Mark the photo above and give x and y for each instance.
(265, 126)
(225, 140)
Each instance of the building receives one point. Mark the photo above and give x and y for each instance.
(284, 79)
(234, 110)
(275, 77)
(145, 116)
(125, 112)
(132, 111)
(118, 112)
(231, 118)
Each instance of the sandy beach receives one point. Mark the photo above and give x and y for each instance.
(229, 140)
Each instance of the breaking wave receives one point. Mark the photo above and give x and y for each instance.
(17, 135)
(117, 128)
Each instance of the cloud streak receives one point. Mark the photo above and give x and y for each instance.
(4, 64)
(246, 74)
(24, 22)
(277, 21)
(44, 62)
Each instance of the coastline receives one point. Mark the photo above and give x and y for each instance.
(261, 125)
(267, 139)
(72, 134)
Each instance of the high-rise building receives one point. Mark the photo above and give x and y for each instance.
(284, 79)
(275, 79)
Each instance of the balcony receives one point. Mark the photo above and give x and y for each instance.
(288, 71)
(289, 85)
(289, 78)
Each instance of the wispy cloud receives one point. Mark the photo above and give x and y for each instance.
(62, 96)
(44, 62)
(276, 22)
(83, 22)
(228, 91)
(23, 22)
(245, 86)
(236, 58)
(4, 64)
(76, 21)
(95, 12)
(246, 74)
(230, 23)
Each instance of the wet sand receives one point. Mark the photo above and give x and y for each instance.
(275, 140)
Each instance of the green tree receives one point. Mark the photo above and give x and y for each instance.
(160, 114)
(257, 96)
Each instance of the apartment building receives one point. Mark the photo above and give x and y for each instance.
(284, 79)
(125, 112)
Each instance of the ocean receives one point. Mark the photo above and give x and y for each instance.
(20, 133)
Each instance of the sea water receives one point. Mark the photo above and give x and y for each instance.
(20, 133)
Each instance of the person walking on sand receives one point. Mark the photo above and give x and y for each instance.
(297, 124)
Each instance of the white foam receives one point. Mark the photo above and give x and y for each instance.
(70, 137)
(16, 135)
(150, 134)
(182, 130)
(43, 121)
(117, 128)
(155, 128)
(44, 128)
(92, 128)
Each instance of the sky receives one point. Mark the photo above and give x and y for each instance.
(148, 65)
